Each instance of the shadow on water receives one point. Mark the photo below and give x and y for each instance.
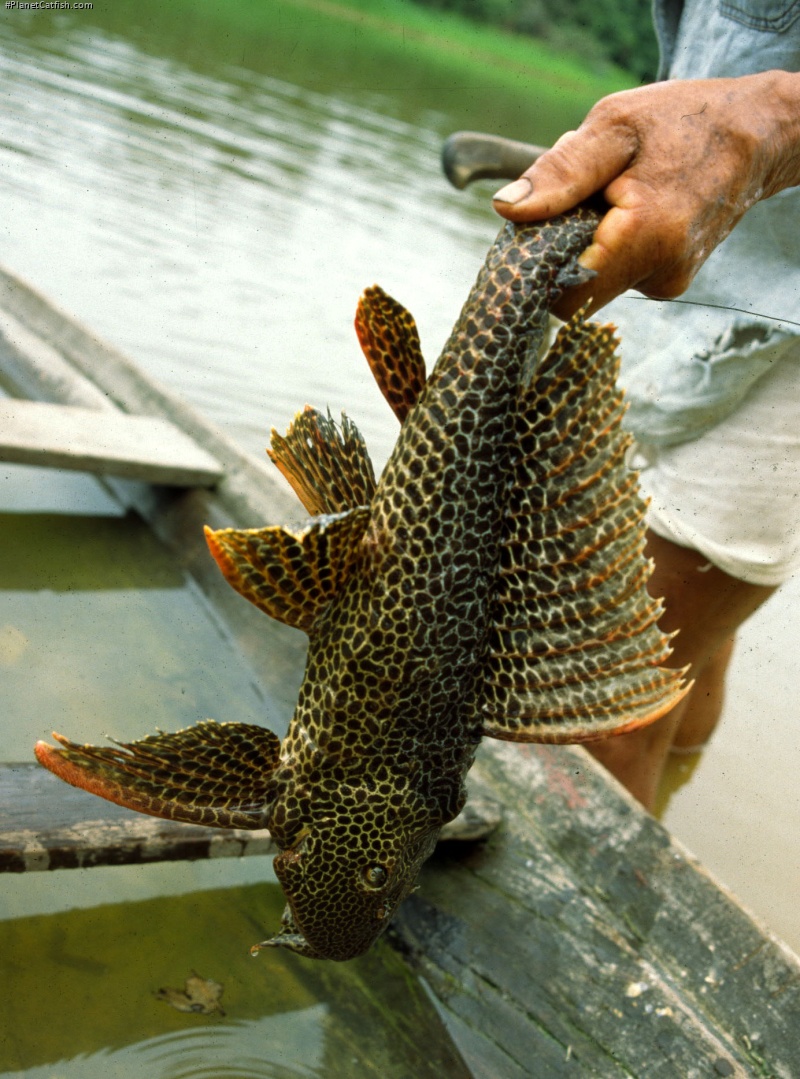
(84, 1001)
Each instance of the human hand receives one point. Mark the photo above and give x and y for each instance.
(678, 163)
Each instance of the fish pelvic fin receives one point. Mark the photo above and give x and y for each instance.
(389, 339)
(291, 574)
(216, 774)
(327, 465)
(575, 653)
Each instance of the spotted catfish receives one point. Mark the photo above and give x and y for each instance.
(492, 583)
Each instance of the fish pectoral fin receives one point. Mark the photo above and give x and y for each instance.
(327, 465)
(574, 653)
(291, 574)
(389, 339)
(217, 774)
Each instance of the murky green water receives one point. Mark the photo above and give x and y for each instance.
(100, 633)
(210, 187)
(82, 1003)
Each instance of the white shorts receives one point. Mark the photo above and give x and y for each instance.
(733, 494)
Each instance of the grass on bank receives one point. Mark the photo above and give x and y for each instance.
(441, 35)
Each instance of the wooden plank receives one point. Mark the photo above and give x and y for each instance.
(109, 441)
(46, 824)
(583, 938)
(250, 494)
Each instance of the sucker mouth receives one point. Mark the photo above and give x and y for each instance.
(288, 936)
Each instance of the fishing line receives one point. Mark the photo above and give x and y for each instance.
(717, 307)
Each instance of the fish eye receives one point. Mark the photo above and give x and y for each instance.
(374, 876)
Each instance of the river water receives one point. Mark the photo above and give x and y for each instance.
(210, 191)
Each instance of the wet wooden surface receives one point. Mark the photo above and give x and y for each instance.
(108, 441)
(45, 824)
(582, 939)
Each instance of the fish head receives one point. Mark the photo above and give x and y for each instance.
(347, 873)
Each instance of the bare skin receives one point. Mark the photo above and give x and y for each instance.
(679, 163)
(707, 606)
(708, 695)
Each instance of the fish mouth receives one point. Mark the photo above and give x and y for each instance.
(291, 936)
(288, 936)
(336, 946)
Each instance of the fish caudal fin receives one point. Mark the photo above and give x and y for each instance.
(575, 651)
(291, 575)
(328, 466)
(389, 339)
(217, 774)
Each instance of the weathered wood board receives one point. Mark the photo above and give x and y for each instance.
(45, 824)
(582, 939)
(108, 441)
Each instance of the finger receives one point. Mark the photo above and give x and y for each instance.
(629, 252)
(596, 293)
(619, 259)
(581, 163)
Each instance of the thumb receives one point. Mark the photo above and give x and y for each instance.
(579, 164)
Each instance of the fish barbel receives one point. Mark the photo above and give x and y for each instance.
(492, 583)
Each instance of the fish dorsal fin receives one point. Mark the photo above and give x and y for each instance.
(291, 574)
(389, 339)
(328, 466)
(574, 650)
(217, 774)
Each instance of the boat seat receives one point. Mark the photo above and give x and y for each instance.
(105, 441)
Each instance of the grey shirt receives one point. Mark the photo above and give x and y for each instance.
(687, 367)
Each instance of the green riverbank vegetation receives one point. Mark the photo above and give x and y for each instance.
(619, 31)
(425, 63)
(599, 46)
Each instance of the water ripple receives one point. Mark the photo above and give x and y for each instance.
(217, 229)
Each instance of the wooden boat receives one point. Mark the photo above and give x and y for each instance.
(579, 938)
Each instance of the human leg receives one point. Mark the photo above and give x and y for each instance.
(707, 696)
(707, 606)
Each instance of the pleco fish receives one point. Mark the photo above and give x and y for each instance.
(492, 583)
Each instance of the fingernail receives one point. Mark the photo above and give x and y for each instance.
(514, 192)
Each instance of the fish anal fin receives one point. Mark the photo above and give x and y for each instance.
(291, 574)
(575, 653)
(389, 339)
(327, 465)
(216, 774)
